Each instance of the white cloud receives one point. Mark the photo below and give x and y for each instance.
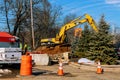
(112, 1)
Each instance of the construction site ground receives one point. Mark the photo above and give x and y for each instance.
(71, 72)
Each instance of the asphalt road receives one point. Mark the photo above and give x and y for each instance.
(70, 73)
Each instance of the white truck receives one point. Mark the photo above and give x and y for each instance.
(10, 52)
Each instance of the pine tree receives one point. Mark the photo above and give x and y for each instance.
(101, 45)
(97, 46)
(82, 45)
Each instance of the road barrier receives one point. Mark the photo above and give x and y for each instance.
(26, 65)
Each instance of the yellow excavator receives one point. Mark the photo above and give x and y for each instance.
(60, 37)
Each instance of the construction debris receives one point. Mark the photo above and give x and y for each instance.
(85, 61)
(5, 71)
(55, 53)
(41, 59)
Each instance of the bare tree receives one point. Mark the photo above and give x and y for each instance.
(20, 9)
(4, 9)
(69, 17)
(69, 33)
(6, 13)
(44, 15)
(45, 20)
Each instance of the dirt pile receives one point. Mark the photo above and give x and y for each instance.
(53, 50)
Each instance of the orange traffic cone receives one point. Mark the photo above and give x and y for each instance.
(99, 69)
(60, 71)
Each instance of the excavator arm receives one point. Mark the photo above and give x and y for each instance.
(60, 37)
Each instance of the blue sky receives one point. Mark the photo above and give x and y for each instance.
(110, 8)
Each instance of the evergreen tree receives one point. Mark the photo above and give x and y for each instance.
(97, 46)
(81, 44)
(101, 45)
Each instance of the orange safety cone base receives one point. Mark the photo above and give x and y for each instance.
(99, 70)
(25, 73)
(60, 72)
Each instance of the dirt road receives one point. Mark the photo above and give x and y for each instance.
(70, 73)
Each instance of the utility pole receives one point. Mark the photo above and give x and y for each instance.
(33, 41)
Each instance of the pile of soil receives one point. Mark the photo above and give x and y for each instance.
(53, 50)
